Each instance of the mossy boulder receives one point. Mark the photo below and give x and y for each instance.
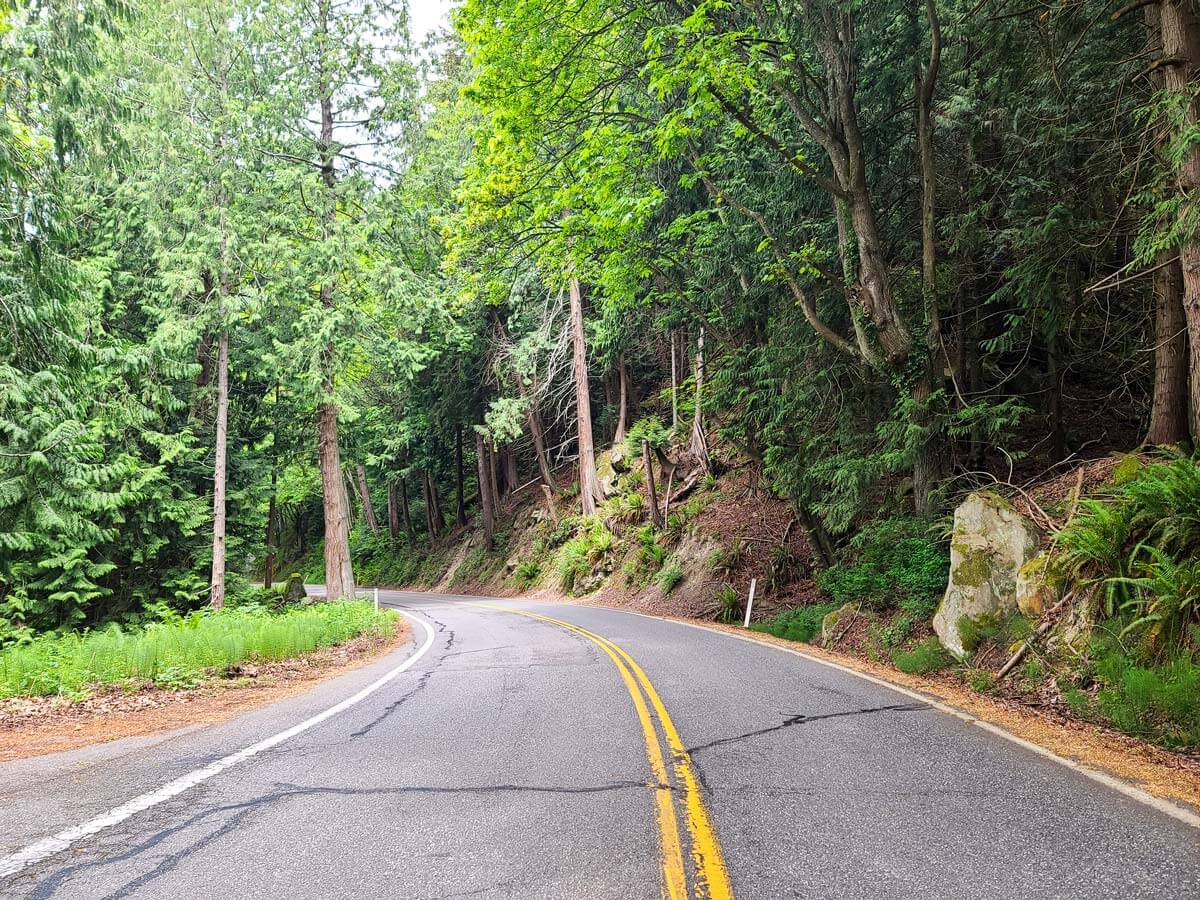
(606, 471)
(990, 545)
(294, 591)
(1039, 586)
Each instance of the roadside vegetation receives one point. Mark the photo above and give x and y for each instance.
(181, 651)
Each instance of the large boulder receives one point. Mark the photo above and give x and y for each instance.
(990, 544)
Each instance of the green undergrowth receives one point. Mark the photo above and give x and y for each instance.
(926, 657)
(891, 563)
(802, 623)
(181, 651)
(1156, 701)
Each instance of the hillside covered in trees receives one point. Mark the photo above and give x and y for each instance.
(280, 280)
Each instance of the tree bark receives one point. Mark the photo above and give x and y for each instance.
(1169, 408)
(699, 442)
(1181, 53)
(622, 400)
(589, 484)
(656, 516)
(539, 444)
(439, 520)
(217, 595)
(460, 503)
(1169, 403)
(485, 494)
(429, 500)
(927, 468)
(339, 571)
(674, 381)
(512, 480)
(393, 511)
(364, 495)
(406, 513)
(272, 527)
(339, 574)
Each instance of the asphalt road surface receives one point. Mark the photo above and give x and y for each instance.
(532, 750)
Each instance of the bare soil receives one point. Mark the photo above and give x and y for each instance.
(34, 726)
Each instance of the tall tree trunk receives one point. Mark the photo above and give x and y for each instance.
(674, 381)
(217, 595)
(1169, 404)
(485, 494)
(534, 420)
(460, 501)
(393, 511)
(1181, 56)
(512, 480)
(589, 484)
(656, 515)
(1169, 409)
(439, 520)
(622, 400)
(339, 575)
(339, 571)
(927, 465)
(427, 496)
(818, 537)
(406, 513)
(699, 442)
(364, 494)
(272, 532)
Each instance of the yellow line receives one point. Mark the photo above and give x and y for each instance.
(712, 877)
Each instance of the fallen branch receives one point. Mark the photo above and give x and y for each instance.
(1028, 642)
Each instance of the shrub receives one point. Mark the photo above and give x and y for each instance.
(1160, 703)
(1140, 545)
(527, 572)
(669, 576)
(928, 656)
(728, 604)
(727, 559)
(801, 623)
(895, 562)
(896, 632)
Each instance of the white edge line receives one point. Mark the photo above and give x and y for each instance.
(1166, 807)
(40, 850)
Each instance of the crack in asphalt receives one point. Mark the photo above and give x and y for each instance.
(478, 650)
(240, 812)
(397, 703)
(803, 718)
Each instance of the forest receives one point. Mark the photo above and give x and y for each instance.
(283, 282)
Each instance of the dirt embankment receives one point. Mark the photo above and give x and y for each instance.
(33, 726)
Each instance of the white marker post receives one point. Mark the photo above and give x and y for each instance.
(376, 599)
(750, 602)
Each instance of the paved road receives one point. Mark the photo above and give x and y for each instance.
(597, 755)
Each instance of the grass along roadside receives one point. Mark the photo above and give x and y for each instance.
(182, 651)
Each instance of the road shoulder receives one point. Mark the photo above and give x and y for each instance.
(33, 729)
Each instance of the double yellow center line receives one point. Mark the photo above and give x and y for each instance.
(676, 788)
